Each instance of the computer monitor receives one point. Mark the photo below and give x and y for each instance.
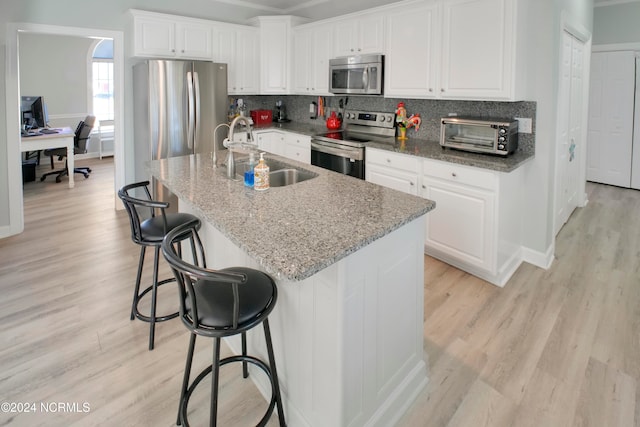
(34, 112)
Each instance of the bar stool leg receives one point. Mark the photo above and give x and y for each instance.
(245, 370)
(152, 320)
(274, 373)
(215, 370)
(187, 374)
(138, 278)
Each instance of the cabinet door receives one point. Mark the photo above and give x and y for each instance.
(264, 140)
(392, 178)
(412, 51)
(346, 37)
(371, 33)
(194, 40)
(361, 35)
(462, 225)
(247, 76)
(302, 53)
(477, 49)
(224, 50)
(322, 52)
(154, 37)
(298, 147)
(274, 57)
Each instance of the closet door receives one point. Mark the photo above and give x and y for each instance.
(570, 146)
(610, 130)
(635, 166)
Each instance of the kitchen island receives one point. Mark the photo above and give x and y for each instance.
(347, 256)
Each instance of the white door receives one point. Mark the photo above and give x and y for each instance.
(611, 118)
(570, 148)
(635, 164)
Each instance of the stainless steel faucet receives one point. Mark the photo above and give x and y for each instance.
(231, 164)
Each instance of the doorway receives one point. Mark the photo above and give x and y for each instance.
(16, 209)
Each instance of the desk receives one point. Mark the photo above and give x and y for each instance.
(52, 140)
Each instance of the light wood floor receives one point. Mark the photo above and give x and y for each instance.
(553, 348)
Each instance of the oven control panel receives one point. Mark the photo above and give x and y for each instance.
(369, 118)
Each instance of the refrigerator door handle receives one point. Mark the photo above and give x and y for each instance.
(196, 124)
(190, 112)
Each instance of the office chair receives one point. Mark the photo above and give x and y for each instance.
(82, 134)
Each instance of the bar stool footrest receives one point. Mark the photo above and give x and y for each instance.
(146, 318)
(249, 359)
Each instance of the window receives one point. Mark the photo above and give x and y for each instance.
(102, 77)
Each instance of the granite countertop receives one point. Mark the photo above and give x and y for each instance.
(422, 148)
(293, 231)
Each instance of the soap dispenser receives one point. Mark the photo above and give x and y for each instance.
(261, 175)
(249, 173)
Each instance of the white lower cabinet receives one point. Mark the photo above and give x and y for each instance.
(462, 225)
(291, 145)
(392, 170)
(270, 141)
(297, 147)
(476, 224)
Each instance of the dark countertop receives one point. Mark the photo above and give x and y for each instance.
(421, 148)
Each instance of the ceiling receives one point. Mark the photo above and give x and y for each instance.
(313, 9)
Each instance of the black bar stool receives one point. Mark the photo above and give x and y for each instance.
(217, 304)
(149, 231)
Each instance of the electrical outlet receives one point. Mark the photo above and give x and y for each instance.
(524, 125)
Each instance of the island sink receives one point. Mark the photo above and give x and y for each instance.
(284, 177)
(281, 174)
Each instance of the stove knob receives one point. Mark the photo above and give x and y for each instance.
(349, 116)
(389, 119)
(382, 118)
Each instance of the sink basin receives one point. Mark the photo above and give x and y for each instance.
(283, 177)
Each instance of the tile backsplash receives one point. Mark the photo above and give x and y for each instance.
(430, 111)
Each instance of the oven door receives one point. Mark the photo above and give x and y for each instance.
(338, 158)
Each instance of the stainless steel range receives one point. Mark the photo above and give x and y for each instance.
(343, 150)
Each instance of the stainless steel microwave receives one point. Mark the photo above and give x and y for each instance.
(361, 74)
(479, 135)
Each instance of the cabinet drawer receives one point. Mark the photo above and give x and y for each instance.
(461, 174)
(394, 160)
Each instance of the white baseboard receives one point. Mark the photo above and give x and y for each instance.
(540, 259)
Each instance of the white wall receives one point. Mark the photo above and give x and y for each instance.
(618, 23)
(55, 67)
(544, 24)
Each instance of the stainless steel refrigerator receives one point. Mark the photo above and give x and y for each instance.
(177, 106)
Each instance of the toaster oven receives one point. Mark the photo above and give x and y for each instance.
(480, 135)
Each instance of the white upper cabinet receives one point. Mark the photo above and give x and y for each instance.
(477, 55)
(237, 46)
(312, 49)
(359, 35)
(275, 53)
(452, 49)
(163, 36)
(411, 62)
